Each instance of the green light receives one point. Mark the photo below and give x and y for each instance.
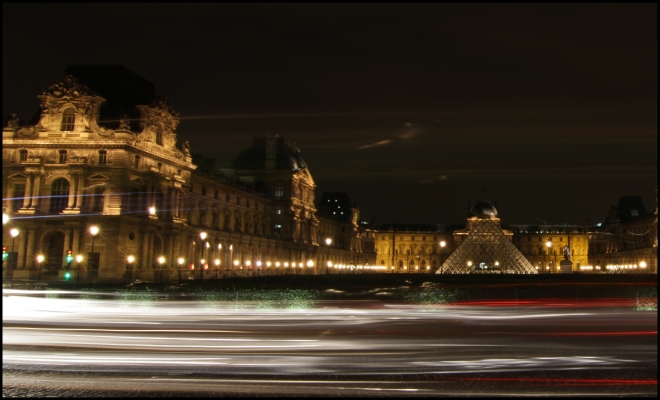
(69, 256)
(4, 253)
(67, 276)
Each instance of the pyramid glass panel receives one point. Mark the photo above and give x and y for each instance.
(486, 250)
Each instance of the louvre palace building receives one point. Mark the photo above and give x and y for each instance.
(97, 188)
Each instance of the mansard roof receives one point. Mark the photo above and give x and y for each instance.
(286, 156)
(122, 89)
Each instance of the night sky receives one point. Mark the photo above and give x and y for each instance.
(412, 109)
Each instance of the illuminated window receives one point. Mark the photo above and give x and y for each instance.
(278, 210)
(63, 156)
(68, 120)
(279, 189)
(103, 157)
(22, 155)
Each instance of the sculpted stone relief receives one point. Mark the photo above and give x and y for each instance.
(68, 88)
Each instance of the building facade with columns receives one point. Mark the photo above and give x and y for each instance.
(102, 153)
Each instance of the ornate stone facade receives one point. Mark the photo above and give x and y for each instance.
(89, 162)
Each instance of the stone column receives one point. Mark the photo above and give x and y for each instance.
(146, 239)
(81, 183)
(20, 249)
(28, 191)
(150, 258)
(75, 246)
(72, 191)
(8, 201)
(150, 197)
(31, 249)
(36, 191)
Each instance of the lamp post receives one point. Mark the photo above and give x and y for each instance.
(40, 259)
(231, 255)
(181, 260)
(14, 233)
(79, 259)
(94, 231)
(548, 245)
(219, 257)
(161, 260)
(130, 259)
(217, 267)
(328, 242)
(442, 254)
(202, 235)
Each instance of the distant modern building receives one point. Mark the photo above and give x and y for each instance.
(98, 188)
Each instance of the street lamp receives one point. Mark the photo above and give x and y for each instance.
(181, 260)
(130, 260)
(328, 241)
(14, 233)
(40, 259)
(5, 218)
(549, 245)
(79, 259)
(217, 267)
(442, 253)
(161, 260)
(202, 235)
(94, 231)
(231, 255)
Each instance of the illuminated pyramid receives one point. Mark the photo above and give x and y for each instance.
(486, 250)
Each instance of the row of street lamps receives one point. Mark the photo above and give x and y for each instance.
(14, 232)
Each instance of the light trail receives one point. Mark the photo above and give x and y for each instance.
(340, 351)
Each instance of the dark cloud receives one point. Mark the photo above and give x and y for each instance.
(553, 101)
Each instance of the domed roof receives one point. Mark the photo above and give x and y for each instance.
(483, 207)
(286, 155)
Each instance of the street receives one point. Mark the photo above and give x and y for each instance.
(91, 347)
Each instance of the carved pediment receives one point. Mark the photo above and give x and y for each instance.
(98, 177)
(68, 88)
(17, 176)
(137, 181)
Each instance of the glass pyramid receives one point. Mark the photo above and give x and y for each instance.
(486, 250)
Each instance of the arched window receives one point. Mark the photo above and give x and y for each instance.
(59, 195)
(68, 120)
